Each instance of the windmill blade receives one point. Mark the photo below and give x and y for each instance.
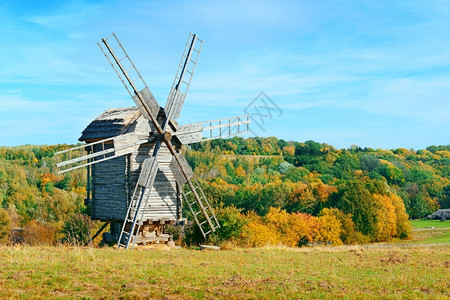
(174, 165)
(136, 209)
(214, 129)
(133, 82)
(195, 198)
(92, 153)
(183, 77)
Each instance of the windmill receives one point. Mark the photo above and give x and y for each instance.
(133, 155)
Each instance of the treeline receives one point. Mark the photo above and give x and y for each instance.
(266, 190)
(368, 192)
(35, 198)
(303, 175)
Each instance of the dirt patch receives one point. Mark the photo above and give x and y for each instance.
(394, 258)
(234, 280)
(324, 285)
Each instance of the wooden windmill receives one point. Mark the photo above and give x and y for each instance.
(137, 177)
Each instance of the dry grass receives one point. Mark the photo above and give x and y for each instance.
(278, 272)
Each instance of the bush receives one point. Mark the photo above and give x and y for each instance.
(361, 238)
(293, 229)
(231, 222)
(77, 230)
(5, 226)
(37, 233)
(257, 234)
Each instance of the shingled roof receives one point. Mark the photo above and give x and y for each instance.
(112, 122)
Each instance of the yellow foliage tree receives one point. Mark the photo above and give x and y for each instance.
(257, 234)
(290, 150)
(280, 221)
(403, 224)
(330, 229)
(386, 219)
(240, 171)
(303, 228)
(348, 233)
(293, 229)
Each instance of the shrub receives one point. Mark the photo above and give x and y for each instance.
(38, 233)
(77, 230)
(231, 223)
(5, 226)
(361, 238)
(257, 234)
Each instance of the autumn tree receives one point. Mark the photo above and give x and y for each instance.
(355, 199)
(5, 226)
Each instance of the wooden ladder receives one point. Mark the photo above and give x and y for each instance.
(135, 213)
(201, 209)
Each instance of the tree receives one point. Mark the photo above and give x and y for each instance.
(303, 200)
(386, 220)
(330, 229)
(445, 202)
(231, 223)
(257, 234)
(296, 174)
(402, 219)
(348, 234)
(240, 172)
(5, 226)
(369, 162)
(284, 167)
(354, 198)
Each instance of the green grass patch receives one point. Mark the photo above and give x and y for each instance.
(418, 224)
(319, 272)
(432, 236)
(442, 238)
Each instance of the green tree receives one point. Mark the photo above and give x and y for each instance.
(296, 174)
(355, 199)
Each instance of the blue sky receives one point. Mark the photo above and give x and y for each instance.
(371, 73)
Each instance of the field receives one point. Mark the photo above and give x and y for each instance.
(418, 268)
(430, 232)
(325, 272)
(423, 224)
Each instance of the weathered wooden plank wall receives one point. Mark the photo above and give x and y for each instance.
(163, 201)
(114, 182)
(110, 189)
